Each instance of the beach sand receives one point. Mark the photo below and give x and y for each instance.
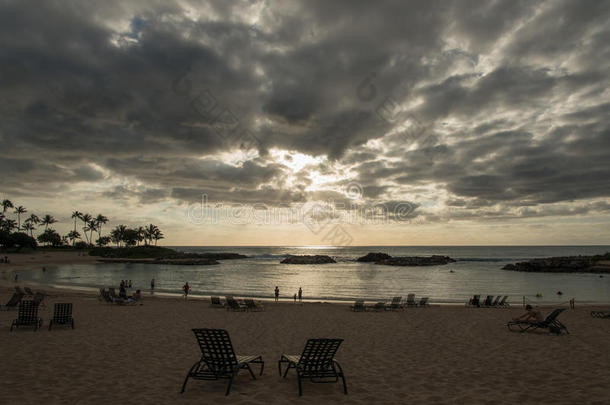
(439, 355)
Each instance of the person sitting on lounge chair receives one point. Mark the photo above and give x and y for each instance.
(136, 297)
(532, 315)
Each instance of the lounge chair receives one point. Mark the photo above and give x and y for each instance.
(28, 315)
(216, 302)
(14, 301)
(475, 301)
(600, 314)
(28, 291)
(380, 306)
(423, 302)
(503, 302)
(411, 300)
(551, 323)
(251, 305)
(317, 363)
(218, 360)
(488, 301)
(496, 301)
(358, 306)
(233, 305)
(62, 315)
(395, 304)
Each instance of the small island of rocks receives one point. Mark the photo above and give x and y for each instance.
(317, 259)
(564, 264)
(383, 258)
(160, 255)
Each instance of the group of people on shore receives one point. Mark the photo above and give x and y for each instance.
(296, 295)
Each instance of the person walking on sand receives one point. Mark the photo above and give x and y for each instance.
(295, 298)
(152, 286)
(186, 289)
(300, 294)
(277, 293)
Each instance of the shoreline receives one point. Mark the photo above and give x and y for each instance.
(34, 261)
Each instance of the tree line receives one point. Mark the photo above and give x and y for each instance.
(20, 230)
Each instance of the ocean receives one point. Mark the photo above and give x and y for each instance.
(478, 270)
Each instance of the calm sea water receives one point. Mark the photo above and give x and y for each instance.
(478, 270)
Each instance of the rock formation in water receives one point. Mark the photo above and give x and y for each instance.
(565, 264)
(317, 259)
(434, 260)
(374, 257)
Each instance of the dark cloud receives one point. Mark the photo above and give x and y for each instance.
(487, 107)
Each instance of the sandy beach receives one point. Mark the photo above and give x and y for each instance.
(440, 355)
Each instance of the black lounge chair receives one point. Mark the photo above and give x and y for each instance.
(380, 306)
(475, 301)
(600, 314)
(488, 301)
(218, 360)
(62, 315)
(395, 304)
(503, 302)
(253, 306)
(14, 301)
(551, 323)
(411, 300)
(28, 315)
(317, 363)
(423, 302)
(28, 291)
(216, 302)
(496, 301)
(358, 306)
(233, 305)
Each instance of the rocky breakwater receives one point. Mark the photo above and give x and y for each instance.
(373, 257)
(565, 264)
(435, 260)
(317, 259)
(160, 255)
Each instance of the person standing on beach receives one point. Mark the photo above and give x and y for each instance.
(129, 283)
(186, 289)
(300, 294)
(152, 286)
(277, 293)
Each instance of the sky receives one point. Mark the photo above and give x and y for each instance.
(312, 122)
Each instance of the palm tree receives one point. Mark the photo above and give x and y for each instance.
(76, 215)
(86, 218)
(99, 221)
(47, 220)
(141, 234)
(157, 235)
(6, 204)
(73, 235)
(118, 233)
(33, 219)
(28, 226)
(20, 210)
(92, 228)
(150, 232)
(8, 225)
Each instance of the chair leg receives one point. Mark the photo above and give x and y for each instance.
(262, 367)
(342, 377)
(250, 370)
(188, 375)
(229, 385)
(299, 383)
(279, 367)
(50, 324)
